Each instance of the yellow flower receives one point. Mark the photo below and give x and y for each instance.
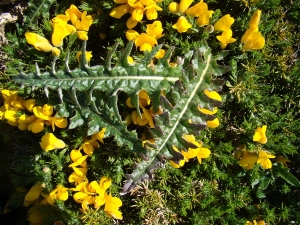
(184, 5)
(93, 193)
(255, 41)
(213, 123)
(50, 142)
(40, 43)
(60, 30)
(29, 104)
(120, 11)
(198, 9)
(173, 7)
(248, 160)
(199, 152)
(252, 38)
(39, 112)
(213, 95)
(131, 23)
(130, 60)
(112, 205)
(224, 23)
(201, 11)
(36, 126)
(203, 19)
(151, 9)
(131, 35)
(80, 20)
(263, 159)
(138, 12)
(11, 116)
(254, 21)
(281, 159)
(33, 194)
(226, 38)
(88, 56)
(24, 120)
(208, 112)
(73, 14)
(85, 22)
(248, 33)
(145, 42)
(155, 29)
(59, 193)
(182, 25)
(100, 135)
(78, 178)
(181, 162)
(260, 135)
(160, 54)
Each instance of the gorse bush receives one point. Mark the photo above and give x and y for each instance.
(106, 105)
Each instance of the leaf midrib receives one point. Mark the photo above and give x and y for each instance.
(182, 112)
(158, 78)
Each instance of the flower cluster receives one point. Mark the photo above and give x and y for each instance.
(261, 222)
(146, 41)
(136, 8)
(147, 111)
(224, 25)
(253, 39)
(33, 198)
(199, 151)
(81, 23)
(248, 159)
(199, 11)
(26, 115)
(92, 193)
(50, 142)
(87, 193)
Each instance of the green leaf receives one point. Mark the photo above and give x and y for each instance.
(90, 95)
(281, 171)
(36, 9)
(264, 182)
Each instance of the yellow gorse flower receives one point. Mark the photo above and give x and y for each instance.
(264, 159)
(199, 11)
(224, 24)
(59, 193)
(199, 151)
(248, 160)
(137, 8)
(146, 41)
(260, 135)
(80, 20)
(50, 142)
(61, 29)
(88, 56)
(40, 43)
(253, 39)
(182, 25)
(226, 38)
(18, 112)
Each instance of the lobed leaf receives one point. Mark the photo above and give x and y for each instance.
(37, 8)
(89, 95)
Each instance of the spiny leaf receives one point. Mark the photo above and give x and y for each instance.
(184, 117)
(37, 8)
(89, 95)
